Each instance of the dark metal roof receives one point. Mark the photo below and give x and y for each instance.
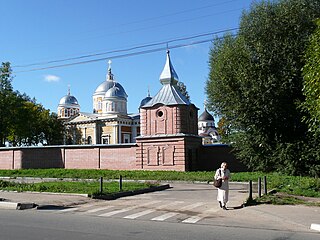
(145, 101)
(206, 116)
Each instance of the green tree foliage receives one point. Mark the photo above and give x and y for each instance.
(22, 120)
(224, 130)
(255, 83)
(7, 101)
(311, 73)
(183, 89)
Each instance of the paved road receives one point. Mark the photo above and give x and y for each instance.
(28, 225)
(191, 204)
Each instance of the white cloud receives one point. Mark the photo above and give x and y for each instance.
(51, 78)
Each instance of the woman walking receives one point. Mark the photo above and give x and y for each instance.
(223, 192)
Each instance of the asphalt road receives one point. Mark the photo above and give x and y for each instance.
(34, 225)
(186, 211)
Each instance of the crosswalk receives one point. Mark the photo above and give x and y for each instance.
(153, 210)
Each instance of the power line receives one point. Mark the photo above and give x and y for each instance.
(126, 49)
(166, 43)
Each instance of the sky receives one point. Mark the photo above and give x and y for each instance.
(56, 44)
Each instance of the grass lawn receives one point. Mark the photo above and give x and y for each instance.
(295, 185)
(84, 187)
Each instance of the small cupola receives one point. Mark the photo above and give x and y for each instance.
(68, 106)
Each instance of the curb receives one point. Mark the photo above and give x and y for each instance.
(315, 227)
(16, 206)
(130, 193)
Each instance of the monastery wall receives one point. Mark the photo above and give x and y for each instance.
(179, 154)
(117, 157)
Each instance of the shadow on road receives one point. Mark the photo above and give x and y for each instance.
(52, 207)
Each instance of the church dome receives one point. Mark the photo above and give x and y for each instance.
(68, 106)
(205, 116)
(116, 91)
(145, 101)
(108, 84)
(68, 100)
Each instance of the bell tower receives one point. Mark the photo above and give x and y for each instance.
(169, 132)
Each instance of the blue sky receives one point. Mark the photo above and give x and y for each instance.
(41, 31)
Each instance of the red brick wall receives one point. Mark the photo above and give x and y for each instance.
(193, 145)
(173, 120)
(82, 158)
(33, 157)
(166, 153)
(41, 158)
(187, 119)
(7, 159)
(120, 158)
(150, 153)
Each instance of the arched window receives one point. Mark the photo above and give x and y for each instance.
(89, 140)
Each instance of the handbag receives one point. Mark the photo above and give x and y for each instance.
(218, 183)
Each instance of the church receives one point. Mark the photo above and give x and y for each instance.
(109, 122)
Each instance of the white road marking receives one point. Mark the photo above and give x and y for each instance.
(127, 209)
(192, 219)
(68, 210)
(172, 214)
(164, 216)
(199, 217)
(140, 214)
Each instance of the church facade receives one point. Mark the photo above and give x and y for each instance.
(109, 123)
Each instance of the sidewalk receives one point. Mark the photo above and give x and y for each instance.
(297, 217)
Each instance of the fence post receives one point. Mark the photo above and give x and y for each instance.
(259, 187)
(120, 183)
(265, 185)
(250, 191)
(101, 185)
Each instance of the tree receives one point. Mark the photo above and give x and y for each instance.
(37, 126)
(311, 75)
(22, 120)
(255, 83)
(311, 105)
(224, 130)
(7, 99)
(183, 89)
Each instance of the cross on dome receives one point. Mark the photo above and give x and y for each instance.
(109, 63)
(109, 75)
